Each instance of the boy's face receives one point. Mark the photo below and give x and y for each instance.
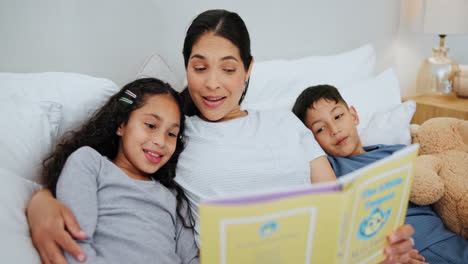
(334, 128)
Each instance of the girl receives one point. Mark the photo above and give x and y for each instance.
(116, 174)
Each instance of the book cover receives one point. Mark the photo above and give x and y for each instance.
(346, 221)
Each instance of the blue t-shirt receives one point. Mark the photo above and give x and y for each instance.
(428, 227)
(344, 165)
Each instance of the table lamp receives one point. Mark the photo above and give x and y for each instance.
(442, 17)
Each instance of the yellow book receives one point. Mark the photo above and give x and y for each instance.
(346, 221)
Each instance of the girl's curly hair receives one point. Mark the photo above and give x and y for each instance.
(99, 132)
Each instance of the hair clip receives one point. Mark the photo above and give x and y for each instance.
(128, 92)
(126, 100)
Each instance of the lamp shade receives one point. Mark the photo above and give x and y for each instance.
(445, 17)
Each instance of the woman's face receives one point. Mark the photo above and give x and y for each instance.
(216, 78)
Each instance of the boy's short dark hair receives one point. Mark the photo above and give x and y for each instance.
(313, 94)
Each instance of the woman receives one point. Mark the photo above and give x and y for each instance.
(218, 64)
(228, 150)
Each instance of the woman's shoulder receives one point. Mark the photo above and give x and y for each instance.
(255, 121)
(278, 115)
(269, 112)
(191, 120)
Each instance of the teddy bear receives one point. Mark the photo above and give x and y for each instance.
(441, 170)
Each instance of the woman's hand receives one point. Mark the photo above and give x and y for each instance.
(401, 249)
(51, 224)
(415, 258)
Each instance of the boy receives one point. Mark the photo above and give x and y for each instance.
(322, 109)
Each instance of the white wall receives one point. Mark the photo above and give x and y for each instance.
(112, 38)
(414, 47)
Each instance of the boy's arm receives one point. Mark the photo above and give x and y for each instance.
(321, 170)
(77, 189)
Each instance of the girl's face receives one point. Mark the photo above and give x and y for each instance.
(149, 137)
(216, 78)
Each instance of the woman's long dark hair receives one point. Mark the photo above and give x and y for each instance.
(223, 23)
(99, 132)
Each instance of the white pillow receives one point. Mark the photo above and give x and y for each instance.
(372, 95)
(277, 83)
(383, 118)
(156, 67)
(389, 126)
(29, 130)
(15, 244)
(81, 95)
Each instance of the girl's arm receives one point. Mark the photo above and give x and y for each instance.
(52, 226)
(321, 170)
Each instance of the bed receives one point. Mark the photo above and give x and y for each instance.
(347, 44)
(38, 108)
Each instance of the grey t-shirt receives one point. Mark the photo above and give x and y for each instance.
(126, 220)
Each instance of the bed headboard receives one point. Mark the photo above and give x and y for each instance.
(113, 39)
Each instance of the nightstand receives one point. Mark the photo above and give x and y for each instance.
(438, 105)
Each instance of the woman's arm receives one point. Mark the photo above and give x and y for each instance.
(321, 170)
(416, 258)
(52, 226)
(401, 249)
